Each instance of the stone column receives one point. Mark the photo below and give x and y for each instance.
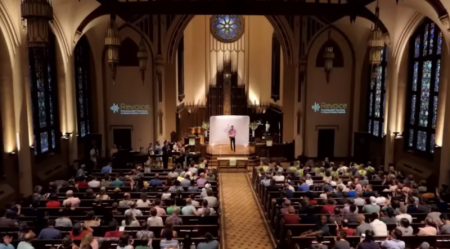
(70, 111)
(20, 83)
(391, 110)
(444, 115)
(289, 100)
(159, 110)
(170, 96)
(445, 63)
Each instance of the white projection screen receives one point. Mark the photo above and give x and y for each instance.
(220, 125)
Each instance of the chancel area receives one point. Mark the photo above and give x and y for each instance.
(239, 124)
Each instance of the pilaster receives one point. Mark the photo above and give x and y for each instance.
(444, 113)
(159, 108)
(170, 103)
(391, 110)
(289, 101)
(71, 111)
(22, 143)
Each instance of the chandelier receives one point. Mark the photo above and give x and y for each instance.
(328, 57)
(142, 57)
(376, 45)
(37, 14)
(112, 44)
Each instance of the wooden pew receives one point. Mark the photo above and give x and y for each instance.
(80, 211)
(106, 244)
(414, 241)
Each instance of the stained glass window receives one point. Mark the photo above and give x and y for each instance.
(227, 28)
(43, 92)
(423, 87)
(439, 46)
(83, 85)
(377, 97)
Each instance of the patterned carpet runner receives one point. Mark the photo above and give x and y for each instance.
(243, 226)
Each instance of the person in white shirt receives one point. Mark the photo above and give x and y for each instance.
(342, 169)
(381, 200)
(278, 177)
(193, 170)
(193, 201)
(379, 228)
(210, 199)
(143, 202)
(403, 214)
(74, 201)
(154, 220)
(94, 183)
(133, 210)
(309, 180)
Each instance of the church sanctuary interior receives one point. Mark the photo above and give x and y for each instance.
(206, 124)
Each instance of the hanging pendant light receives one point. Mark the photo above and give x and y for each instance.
(37, 14)
(142, 57)
(376, 46)
(112, 43)
(328, 58)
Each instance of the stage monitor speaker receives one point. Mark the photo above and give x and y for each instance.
(361, 146)
(93, 139)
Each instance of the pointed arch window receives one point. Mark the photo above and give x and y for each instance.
(377, 97)
(44, 97)
(423, 87)
(83, 86)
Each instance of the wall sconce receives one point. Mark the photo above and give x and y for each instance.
(328, 58)
(142, 57)
(112, 44)
(396, 134)
(66, 135)
(12, 153)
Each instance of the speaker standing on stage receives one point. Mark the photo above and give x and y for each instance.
(232, 136)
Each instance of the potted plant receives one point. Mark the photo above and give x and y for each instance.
(205, 126)
(253, 126)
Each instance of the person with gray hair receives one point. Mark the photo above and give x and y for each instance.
(74, 201)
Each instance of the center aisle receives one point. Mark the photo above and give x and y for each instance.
(243, 226)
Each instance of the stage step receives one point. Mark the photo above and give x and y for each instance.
(232, 170)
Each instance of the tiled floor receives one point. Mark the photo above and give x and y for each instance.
(244, 227)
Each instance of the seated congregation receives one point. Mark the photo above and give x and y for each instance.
(124, 209)
(322, 205)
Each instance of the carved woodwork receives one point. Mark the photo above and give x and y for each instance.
(276, 68)
(227, 95)
(160, 122)
(180, 70)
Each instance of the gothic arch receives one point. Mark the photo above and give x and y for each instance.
(338, 57)
(279, 23)
(150, 45)
(353, 72)
(314, 38)
(415, 21)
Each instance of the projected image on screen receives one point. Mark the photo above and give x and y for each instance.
(220, 125)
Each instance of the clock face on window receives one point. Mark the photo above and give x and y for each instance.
(227, 28)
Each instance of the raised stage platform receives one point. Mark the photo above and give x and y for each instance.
(222, 157)
(224, 149)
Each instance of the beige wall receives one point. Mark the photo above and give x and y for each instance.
(129, 89)
(195, 51)
(318, 90)
(254, 58)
